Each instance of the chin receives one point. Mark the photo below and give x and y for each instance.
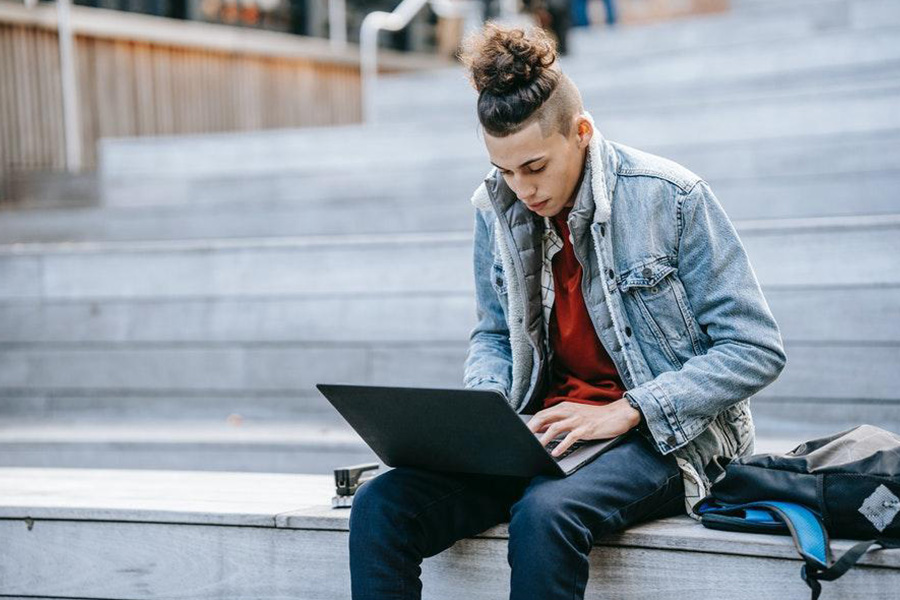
(553, 211)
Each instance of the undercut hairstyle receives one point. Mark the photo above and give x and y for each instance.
(517, 76)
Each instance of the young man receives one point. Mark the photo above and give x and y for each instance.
(613, 296)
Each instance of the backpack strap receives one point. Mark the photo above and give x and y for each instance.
(810, 537)
(812, 575)
(802, 523)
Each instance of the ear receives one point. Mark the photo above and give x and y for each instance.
(584, 131)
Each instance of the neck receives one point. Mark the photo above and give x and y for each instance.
(574, 195)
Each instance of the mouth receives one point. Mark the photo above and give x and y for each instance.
(539, 205)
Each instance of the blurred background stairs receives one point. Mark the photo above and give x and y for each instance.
(176, 311)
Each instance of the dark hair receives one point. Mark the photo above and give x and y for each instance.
(518, 80)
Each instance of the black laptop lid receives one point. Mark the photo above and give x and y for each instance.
(474, 431)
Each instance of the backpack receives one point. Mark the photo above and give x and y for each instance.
(846, 485)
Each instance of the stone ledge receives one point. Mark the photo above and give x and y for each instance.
(301, 502)
(117, 534)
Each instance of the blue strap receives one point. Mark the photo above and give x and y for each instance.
(759, 516)
(806, 528)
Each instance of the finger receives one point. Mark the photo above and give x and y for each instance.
(541, 419)
(573, 437)
(535, 422)
(555, 429)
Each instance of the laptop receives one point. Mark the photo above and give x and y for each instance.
(459, 430)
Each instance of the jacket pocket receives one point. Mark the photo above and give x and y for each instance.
(650, 295)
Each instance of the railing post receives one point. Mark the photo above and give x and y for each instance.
(337, 23)
(368, 63)
(71, 121)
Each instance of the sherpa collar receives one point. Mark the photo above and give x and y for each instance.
(603, 164)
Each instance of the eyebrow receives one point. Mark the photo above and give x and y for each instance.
(527, 162)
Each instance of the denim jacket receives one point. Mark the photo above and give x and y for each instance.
(669, 289)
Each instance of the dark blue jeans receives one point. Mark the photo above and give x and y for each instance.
(407, 514)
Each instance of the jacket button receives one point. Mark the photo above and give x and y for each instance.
(611, 274)
(670, 440)
(647, 272)
(499, 281)
(628, 331)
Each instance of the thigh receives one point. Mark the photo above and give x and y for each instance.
(437, 507)
(629, 483)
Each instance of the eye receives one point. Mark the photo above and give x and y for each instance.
(509, 173)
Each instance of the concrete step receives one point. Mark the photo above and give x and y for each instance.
(613, 96)
(271, 447)
(862, 7)
(743, 22)
(795, 177)
(827, 58)
(99, 407)
(809, 314)
(781, 410)
(169, 171)
(621, 94)
(818, 251)
(705, 32)
(154, 534)
(832, 50)
(438, 208)
(320, 446)
(816, 372)
(49, 189)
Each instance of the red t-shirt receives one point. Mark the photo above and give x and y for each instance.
(581, 370)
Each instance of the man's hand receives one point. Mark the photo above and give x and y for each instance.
(583, 422)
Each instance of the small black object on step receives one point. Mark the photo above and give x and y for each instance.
(348, 479)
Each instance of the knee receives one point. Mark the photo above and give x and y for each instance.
(381, 488)
(374, 508)
(548, 516)
(543, 527)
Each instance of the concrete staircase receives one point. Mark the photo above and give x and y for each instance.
(181, 319)
(174, 323)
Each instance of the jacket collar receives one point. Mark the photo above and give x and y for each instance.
(603, 167)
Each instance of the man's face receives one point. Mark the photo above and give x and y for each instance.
(549, 183)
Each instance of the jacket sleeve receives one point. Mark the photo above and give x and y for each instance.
(746, 352)
(488, 363)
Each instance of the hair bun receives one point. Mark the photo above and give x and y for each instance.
(501, 59)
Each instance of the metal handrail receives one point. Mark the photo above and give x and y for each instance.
(69, 87)
(395, 21)
(68, 83)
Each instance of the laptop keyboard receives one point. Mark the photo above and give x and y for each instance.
(554, 443)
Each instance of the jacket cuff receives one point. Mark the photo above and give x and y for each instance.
(488, 384)
(659, 416)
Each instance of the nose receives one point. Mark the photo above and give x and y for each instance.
(523, 191)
